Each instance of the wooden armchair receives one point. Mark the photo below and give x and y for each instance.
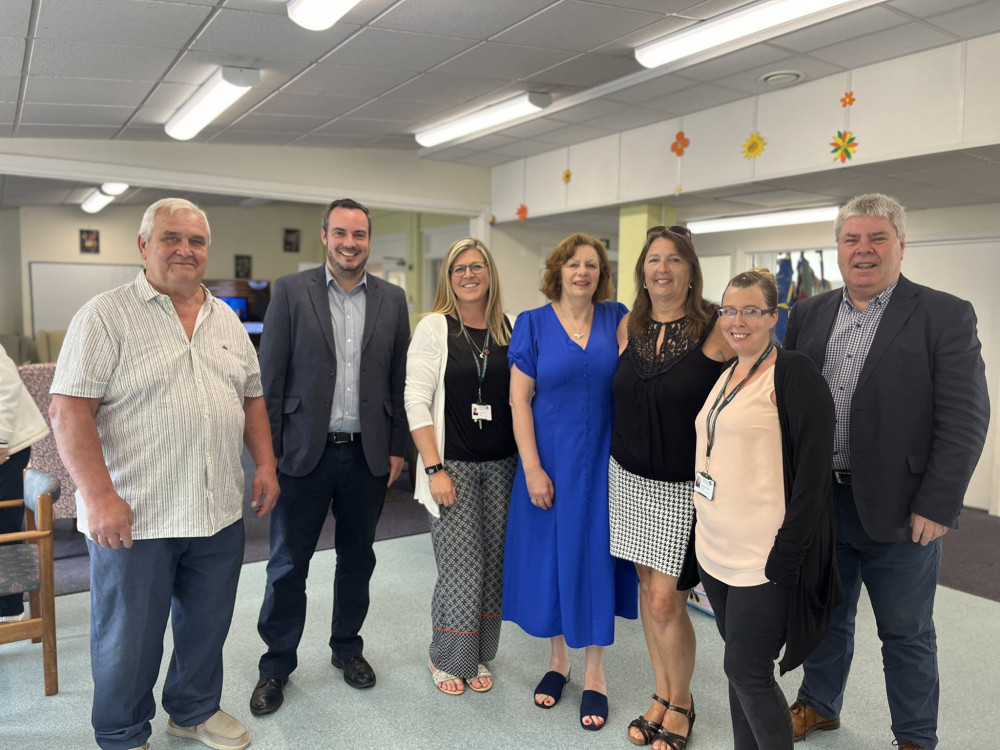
(29, 567)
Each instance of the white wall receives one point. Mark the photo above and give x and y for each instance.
(10, 276)
(956, 250)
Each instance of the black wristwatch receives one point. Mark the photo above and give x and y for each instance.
(434, 469)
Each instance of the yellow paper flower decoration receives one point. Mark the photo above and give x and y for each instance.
(753, 146)
(567, 176)
(844, 144)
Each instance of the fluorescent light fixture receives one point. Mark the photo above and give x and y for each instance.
(318, 15)
(96, 201)
(496, 114)
(114, 188)
(742, 24)
(217, 94)
(758, 221)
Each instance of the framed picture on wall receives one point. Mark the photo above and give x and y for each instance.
(291, 240)
(243, 267)
(90, 241)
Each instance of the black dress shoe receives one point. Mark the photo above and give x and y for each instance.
(358, 673)
(267, 697)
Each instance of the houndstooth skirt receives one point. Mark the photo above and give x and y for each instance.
(650, 520)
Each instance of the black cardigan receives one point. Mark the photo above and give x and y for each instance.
(803, 556)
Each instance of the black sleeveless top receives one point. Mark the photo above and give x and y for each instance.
(658, 394)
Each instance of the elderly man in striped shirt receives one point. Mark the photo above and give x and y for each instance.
(156, 390)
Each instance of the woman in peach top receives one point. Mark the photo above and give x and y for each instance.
(764, 539)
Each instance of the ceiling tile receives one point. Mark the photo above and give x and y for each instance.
(398, 142)
(146, 133)
(194, 68)
(314, 105)
(9, 88)
(695, 99)
(488, 142)
(587, 71)
(970, 21)
(278, 124)
(157, 116)
(506, 61)
(522, 148)
(397, 50)
(269, 37)
(31, 130)
(924, 8)
(652, 90)
(533, 127)
(628, 118)
(626, 43)
(485, 159)
(252, 137)
(748, 81)
(572, 134)
(735, 62)
(451, 154)
(357, 126)
(7, 111)
(347, 81)
(332, 140)
(780, 199)
(586, 111)
(170, 95)
(392, 107)
(57, 57)
(983, 179)
(450, 89)
(842, 28)
(51, 90)
(15, 15)
(11, 56)
(117, 22)
(71, 114)
(883, 45)
(488, 19)
(575, 25)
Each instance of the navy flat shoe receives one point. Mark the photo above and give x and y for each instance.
(551, 684)
(593, 704)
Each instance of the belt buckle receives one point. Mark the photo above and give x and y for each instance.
(339, 438)
(842, 477)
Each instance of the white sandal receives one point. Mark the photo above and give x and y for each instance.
(483, 673)
(440, 677)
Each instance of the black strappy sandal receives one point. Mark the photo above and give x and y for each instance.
(677, 741)
(648, 729)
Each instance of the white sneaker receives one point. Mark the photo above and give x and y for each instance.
(221, 731)
(141, 747)
(15, 618)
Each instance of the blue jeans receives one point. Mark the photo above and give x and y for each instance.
(296, 523)
(132, 591)
(751, 620)
(901, 578)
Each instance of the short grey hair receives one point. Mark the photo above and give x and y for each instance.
(170, 206)
(873, 204)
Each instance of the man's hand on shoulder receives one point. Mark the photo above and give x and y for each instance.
(924, 530)
(110, 520)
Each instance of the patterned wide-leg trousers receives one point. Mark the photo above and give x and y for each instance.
(468, 547)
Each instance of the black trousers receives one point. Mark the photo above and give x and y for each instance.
(12, 519)
(343, 485)
(751, 620)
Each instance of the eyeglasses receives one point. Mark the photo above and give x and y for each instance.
(748, 313)
(476, 268)
(676, 229)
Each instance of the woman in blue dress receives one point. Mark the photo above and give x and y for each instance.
(560, 580)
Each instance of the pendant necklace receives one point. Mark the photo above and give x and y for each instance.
(579, 334)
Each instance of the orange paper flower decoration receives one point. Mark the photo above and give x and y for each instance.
(843, 144)
(567, 176)
(753, 146)
(847, 99)
(522, 212)
(680, 143)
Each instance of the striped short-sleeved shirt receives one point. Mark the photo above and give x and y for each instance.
(171, 417)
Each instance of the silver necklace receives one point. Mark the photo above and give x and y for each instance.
(579, 333)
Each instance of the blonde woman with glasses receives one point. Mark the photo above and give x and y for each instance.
(457, 404)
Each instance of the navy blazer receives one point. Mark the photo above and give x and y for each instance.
(299, 371)
(920, 409)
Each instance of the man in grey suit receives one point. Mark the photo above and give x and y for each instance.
(333, 361)
(906, 372)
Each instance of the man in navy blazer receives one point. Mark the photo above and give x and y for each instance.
(907, 375)
(333, 365)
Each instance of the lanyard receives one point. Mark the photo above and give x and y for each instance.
(481, 358)
(721, 403)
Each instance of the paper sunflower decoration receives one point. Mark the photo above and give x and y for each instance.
(493, 220)
(567, 176)
(680, 143)
(847, 99)
(844, 144)
(522, 212)
(753, 146)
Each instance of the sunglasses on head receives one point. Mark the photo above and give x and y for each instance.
(676, 229)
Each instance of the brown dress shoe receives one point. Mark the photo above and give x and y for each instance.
(805, 720)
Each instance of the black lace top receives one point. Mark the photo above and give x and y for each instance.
(659, 390)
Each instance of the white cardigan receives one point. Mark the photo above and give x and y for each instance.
(21, 424)
(426, 362)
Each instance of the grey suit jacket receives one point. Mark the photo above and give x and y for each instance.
(299, 370)
(920, 410)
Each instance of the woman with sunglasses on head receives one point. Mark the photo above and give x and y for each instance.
(765, 536)
(457, 404)
(560, 580)
(672, 353)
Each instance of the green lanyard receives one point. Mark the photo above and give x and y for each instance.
(481, 358)
(721, 403)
